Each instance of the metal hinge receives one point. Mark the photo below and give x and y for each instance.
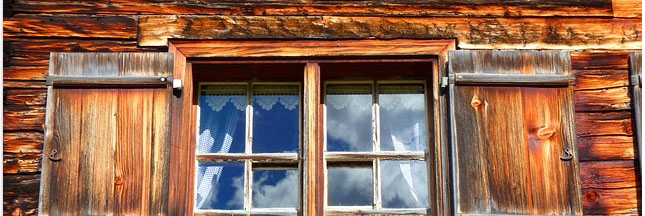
(445, 81)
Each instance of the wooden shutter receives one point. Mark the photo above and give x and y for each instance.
(635, 61)
(513, 133)
(107, 143)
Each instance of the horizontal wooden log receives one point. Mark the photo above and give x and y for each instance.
(611, 201)
(608, 174)
(24, 118)
(472, 33)
(23, 97)
(70, 26)
(27, 59)
(21, 163)
(37, 45)
(615, 60)
(22, 152)
(340, 8)
(24, 84)
(627, 8)
(602, 124)
(25, 72)
(600, 79)
(610, 99)
(606, 148)
(20, 194)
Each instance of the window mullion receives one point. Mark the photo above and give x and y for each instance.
(248, 174)
(377, 147)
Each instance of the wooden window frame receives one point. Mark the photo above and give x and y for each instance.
(184, 109)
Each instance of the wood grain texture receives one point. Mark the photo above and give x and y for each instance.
(607, 99)
(20, 194)
(26, 73)
(599, 60)
(627, 8)
(600, 79)
(472, 33)
(22, 152)
(604, 124)
(508, 140)
(23, 118)
(341, 8)
(602, 148)
(312, 134)
(116, 164)
(621, 201)
(70, 26)
(609, 174)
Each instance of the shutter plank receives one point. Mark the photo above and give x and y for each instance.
(113, 142)
(509, 139)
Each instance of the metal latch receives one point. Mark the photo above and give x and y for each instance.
(635, 79)
(568, 155)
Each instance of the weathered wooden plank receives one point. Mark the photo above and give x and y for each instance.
(601, 124)
(610, 99)
(20, 194)
(600, 79)
(70, 26)
(24, 97)
(627, 8)
(24, 118)
(124, 81)
(23, 84)
(596, 148)
(513, 79)
(313, 203)
(340, 8)
(511, 63)
(27, 73)
(622, 201)
(472, 33)
(22, 152)
(609, 174)
(311, 48)
(613, 60)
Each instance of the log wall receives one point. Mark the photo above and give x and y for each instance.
(600, 33)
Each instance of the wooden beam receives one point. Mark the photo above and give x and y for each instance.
(338, 8)
(94, 81)
(312, 130)
(70, 26)
(472, 33)
(513, 79)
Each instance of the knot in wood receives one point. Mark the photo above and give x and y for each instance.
(545, 132)
(118, 180)
(475, 102)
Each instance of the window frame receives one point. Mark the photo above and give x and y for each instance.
(248, 157)
(311, 52)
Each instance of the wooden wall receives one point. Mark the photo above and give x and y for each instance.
(600, 32)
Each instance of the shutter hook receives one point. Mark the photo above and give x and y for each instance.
(53, 154)
(567, 155)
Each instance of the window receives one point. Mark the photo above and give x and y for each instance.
(247, 153)
(375, 146)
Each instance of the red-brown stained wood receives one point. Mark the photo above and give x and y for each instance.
(311, 8)
(70, 26)
(621, 201)
(627, 8)
(24, 118)
(608, 99)
(600, 79)
(613, 60)
(27, 73)
(23, 84)
(609, 174)
(596, 148)
(601, 124)
(22, 152)
(20, 194)
(117, 163)
(472, 33)
(25, 97)
(311, 137)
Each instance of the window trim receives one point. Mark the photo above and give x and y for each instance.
(183, 108)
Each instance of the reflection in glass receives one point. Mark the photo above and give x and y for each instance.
(275, 118)
(220, 186)
(222, 119)
(402, 118)
(349, 117)
(404, 184)
(275, 188)
(350, 186)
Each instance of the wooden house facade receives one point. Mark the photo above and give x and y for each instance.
(567, 71)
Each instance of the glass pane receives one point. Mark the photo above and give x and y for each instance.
(405, 184)
(222, 119)
(349, 117)
(402, 118)
(275, 188)
(275, 119)
(220, 186)
(350, 186)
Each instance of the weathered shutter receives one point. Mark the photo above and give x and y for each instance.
(635, 61)
(107, 143)
(513, 133)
